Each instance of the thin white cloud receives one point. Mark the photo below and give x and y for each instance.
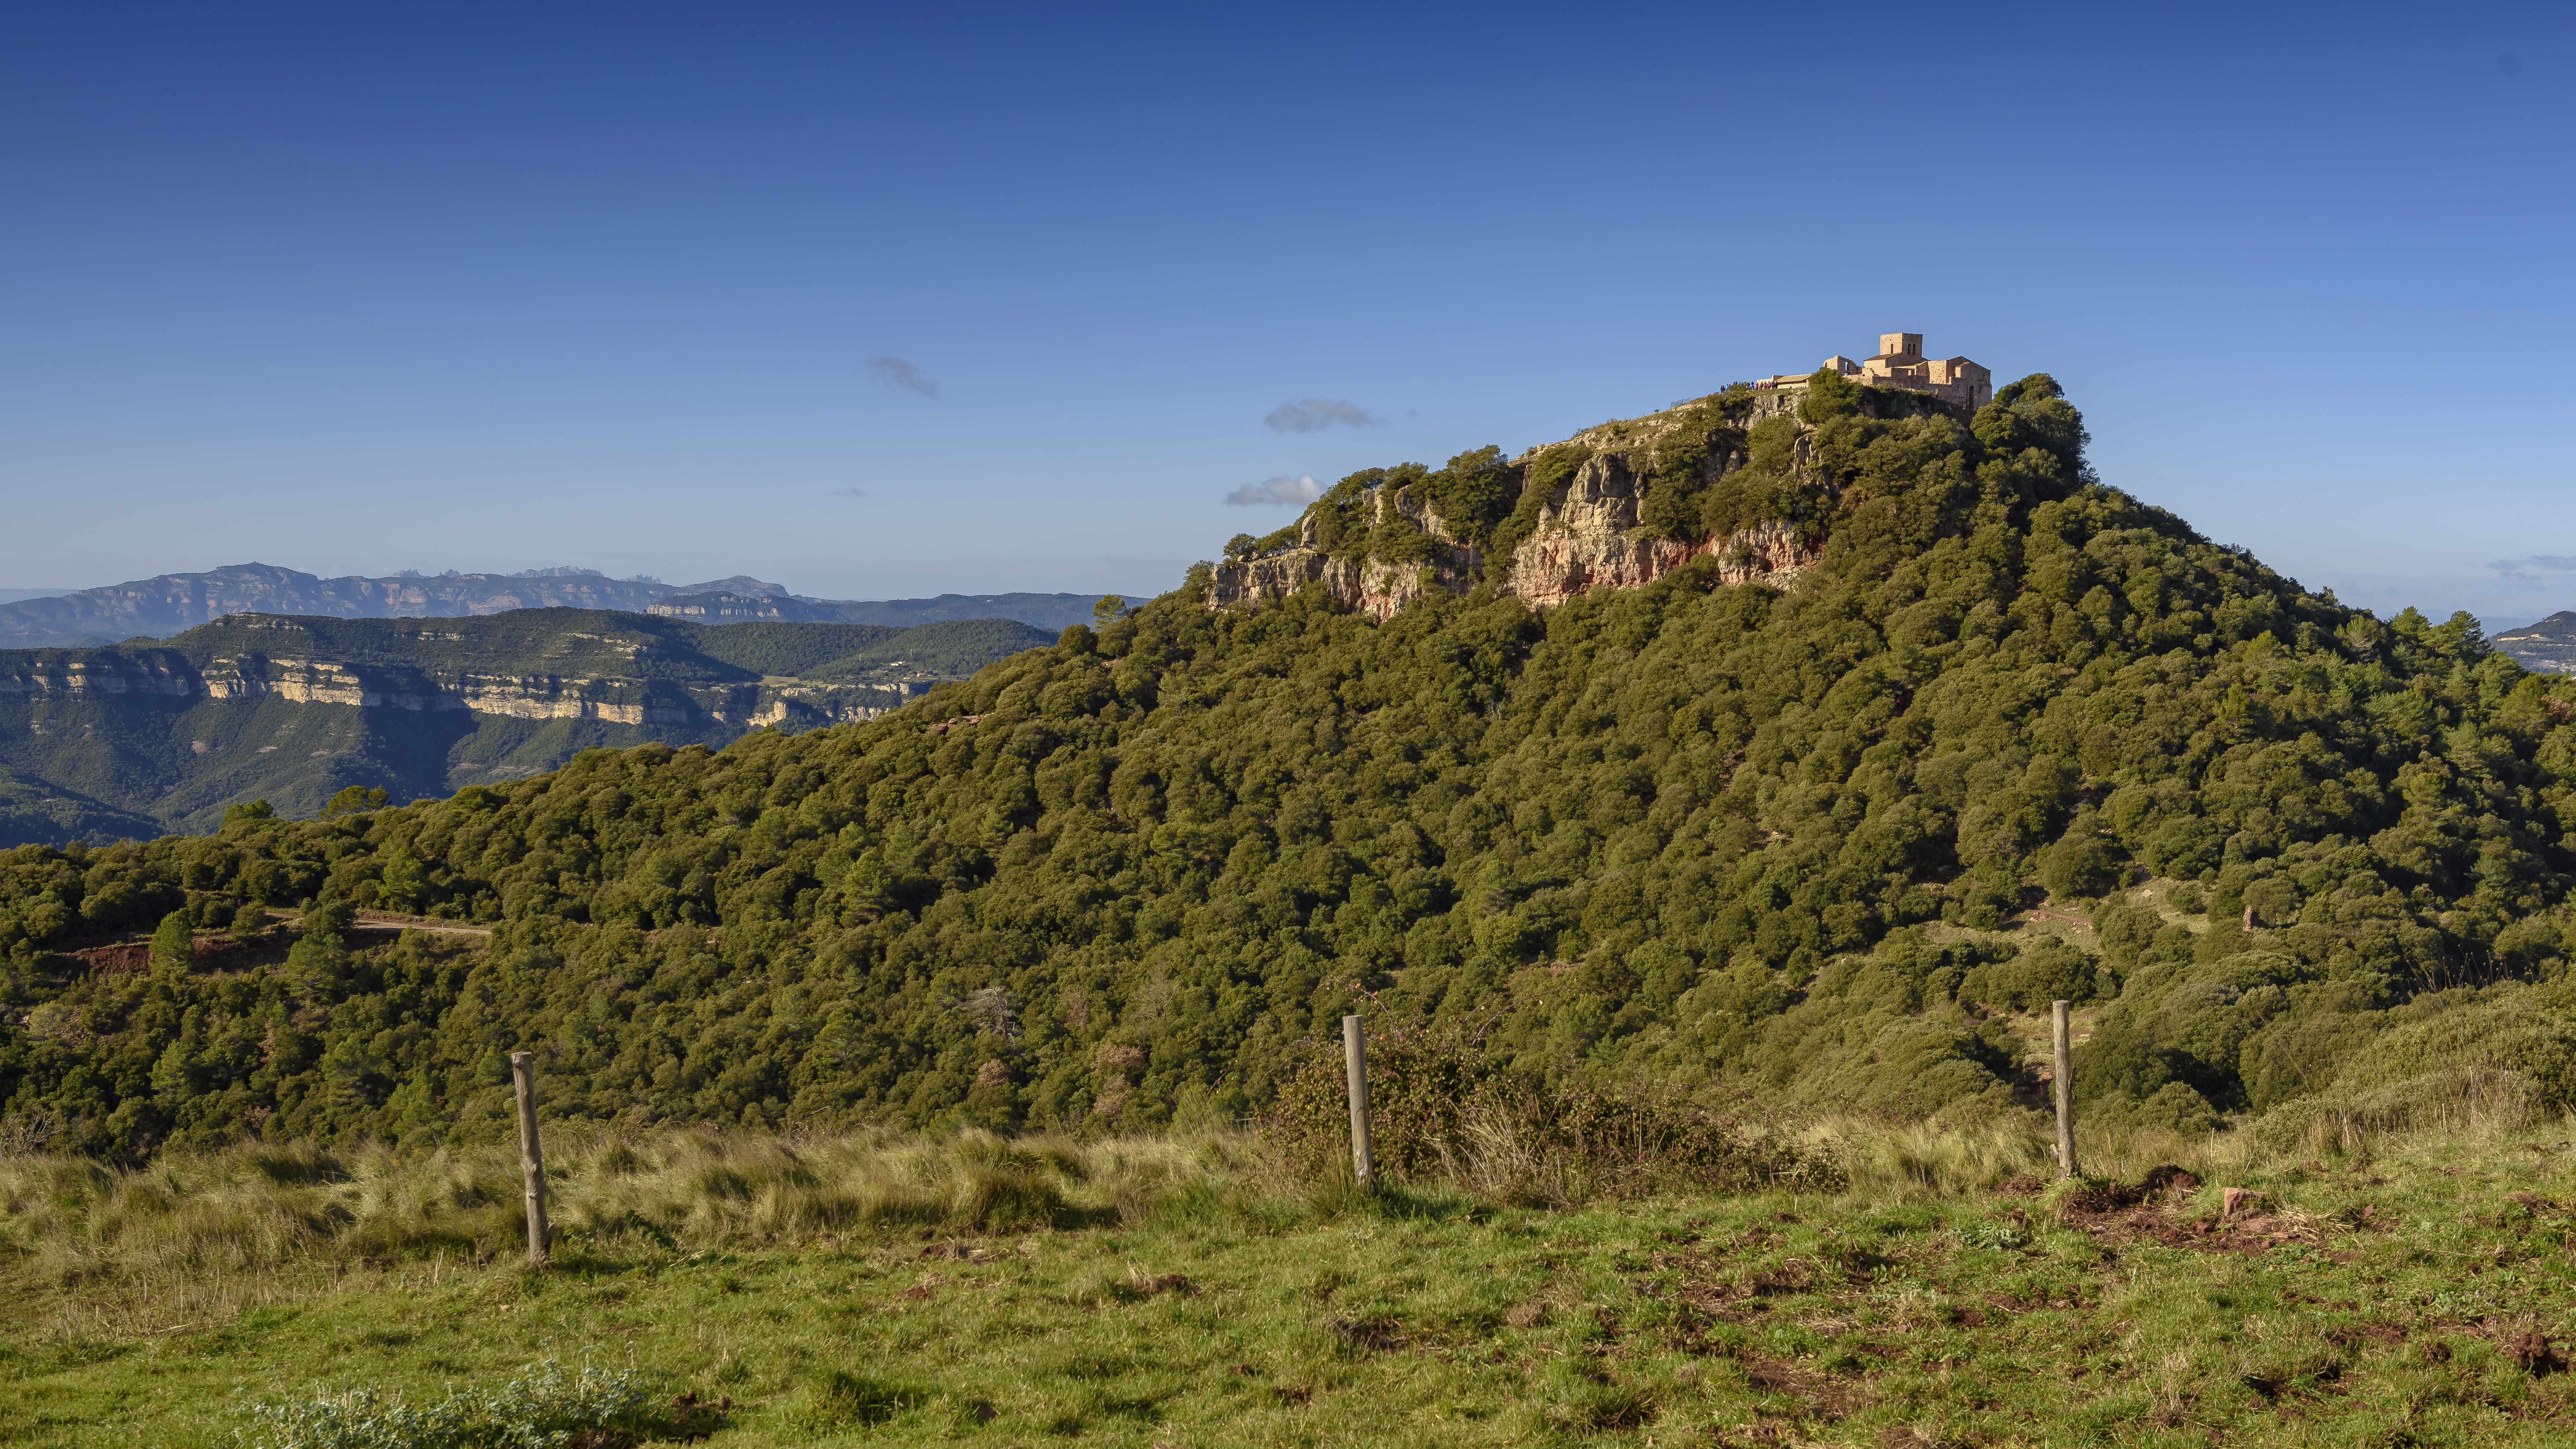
(1299, 489)
(899, 373)
(1314, 414)
(2538, 563)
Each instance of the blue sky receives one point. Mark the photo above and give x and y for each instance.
(880, 302)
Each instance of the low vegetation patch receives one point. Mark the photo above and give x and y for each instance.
(2413, 1289)
(541, 1409)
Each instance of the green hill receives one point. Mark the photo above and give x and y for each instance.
(1790, 830)
(954, 647)
(2549, 645)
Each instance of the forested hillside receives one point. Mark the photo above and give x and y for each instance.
(1685, 830)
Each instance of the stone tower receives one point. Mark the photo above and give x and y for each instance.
(1901, 365)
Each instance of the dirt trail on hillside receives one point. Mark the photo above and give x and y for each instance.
(382, 921)
(388, 921)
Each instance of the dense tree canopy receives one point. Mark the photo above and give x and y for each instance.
(1681, 830)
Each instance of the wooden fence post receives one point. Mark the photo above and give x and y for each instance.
(1355, 1064)
(2062, 1077)
(532, 1158)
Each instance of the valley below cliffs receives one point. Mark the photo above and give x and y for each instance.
(164, 735)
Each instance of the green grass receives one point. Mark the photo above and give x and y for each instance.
(839, 1291)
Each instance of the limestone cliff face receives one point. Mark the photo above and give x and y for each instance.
(1590, 534)
(1375, 587)
(103, 675)
(540, 697)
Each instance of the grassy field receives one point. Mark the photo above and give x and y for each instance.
(862, 1290)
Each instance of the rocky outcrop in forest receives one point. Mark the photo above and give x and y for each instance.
(1376, 587)
(1590, 527)
(1592, 535)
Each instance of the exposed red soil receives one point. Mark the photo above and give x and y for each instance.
(137, 955)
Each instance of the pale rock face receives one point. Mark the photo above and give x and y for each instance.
(1593, 537)
(613, 701)
(1590, 536)
(1377, 589)
(85, 676)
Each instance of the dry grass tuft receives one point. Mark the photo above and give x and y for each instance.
(203, 1236)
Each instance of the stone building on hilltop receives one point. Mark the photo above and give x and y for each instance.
(1900, 364)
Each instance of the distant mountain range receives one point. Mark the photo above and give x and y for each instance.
(2549, 644)
(144, 737)
(169, 603)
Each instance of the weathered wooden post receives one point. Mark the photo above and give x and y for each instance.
(1355, 1064)
(532, 1158)
(2063, 1079)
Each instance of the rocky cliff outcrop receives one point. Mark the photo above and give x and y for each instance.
(1375, 587)
(1592, 536)
(1591, 533)
(533, 697)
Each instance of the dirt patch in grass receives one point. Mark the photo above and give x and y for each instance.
(2251, 1236)
(2032, 1302)
(1819, 1395)
(2523, 1340)
(1796, 1275)
(2157, 1210)
(2373, 1334)
(1706, 1288)
(1380, 1333)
